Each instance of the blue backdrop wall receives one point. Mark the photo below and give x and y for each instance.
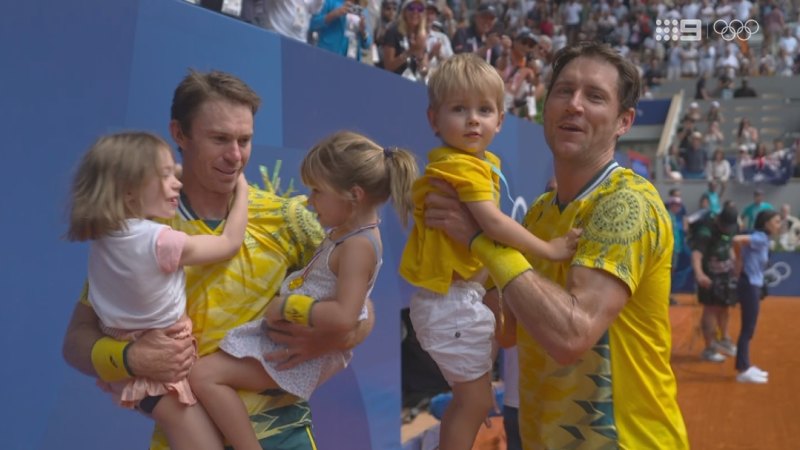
(75, 70)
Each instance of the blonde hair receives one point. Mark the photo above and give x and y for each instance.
(402, 26)
(115, 165)
(346, 159)
(463, 73)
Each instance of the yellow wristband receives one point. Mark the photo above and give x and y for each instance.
(504, 263)
(108, 359)
(297, 309)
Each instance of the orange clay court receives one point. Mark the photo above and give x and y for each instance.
(720, 413)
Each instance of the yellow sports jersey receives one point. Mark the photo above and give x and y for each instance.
(622, 393)
(430, 257)
(281, 235)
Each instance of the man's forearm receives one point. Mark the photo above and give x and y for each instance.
(545, 310)
(81, 335)
(566, 322)
(550, 315)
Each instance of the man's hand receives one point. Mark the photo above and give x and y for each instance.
(443, 211)
(302, 343)
(165, 354)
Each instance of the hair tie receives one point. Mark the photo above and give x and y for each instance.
(387, 151)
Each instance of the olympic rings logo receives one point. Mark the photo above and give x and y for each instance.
(736, 29)
(776, 273)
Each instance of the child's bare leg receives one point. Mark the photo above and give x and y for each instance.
(472, 401)
(186, 427)
(215, 379)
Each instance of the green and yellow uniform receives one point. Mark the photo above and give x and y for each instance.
(622, 393)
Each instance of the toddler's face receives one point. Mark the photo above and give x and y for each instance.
(467, 121)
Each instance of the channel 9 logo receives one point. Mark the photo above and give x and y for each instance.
(691, 30)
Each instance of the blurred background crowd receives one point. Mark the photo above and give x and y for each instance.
(519, 37)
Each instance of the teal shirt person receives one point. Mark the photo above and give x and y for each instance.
(751, 211)
(714, 204)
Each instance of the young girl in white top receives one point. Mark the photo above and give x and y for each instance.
(350, 177)
(136, 281)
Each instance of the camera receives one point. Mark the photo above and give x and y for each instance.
(355, 9)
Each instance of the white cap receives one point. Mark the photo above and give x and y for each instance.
(715, 104)
(694, 105)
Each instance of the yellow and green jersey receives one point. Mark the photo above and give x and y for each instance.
(622, 393)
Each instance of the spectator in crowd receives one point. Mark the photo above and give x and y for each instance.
(560, 40)
(743, 163)
(750, 212)
(714, 113)
(674, 195)
(725, 88)
(290, 18)
(438, 46)
(653, 74)
(571, 18)
(513, 68)
(718, 170)
(405, 43)
(713, 139)
(694, 112)
(673, 164)
(762, 163)
(387, 17)
(480, 37)
(796, 173)
(787, 219)
(700, 90)
(537, 91)
(788, 43)
(694, 157)
(744, 90)
(768, 64)
(774, 23)
(685, 131)
(708, 56)
(747, 135)
(674, 62)
(779, 150)
(690, 57)
(714, 203)
(341, 28)
(755, 255)
(712, 261)
(677, 213)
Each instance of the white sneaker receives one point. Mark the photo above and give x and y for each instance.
(758, 371)
(712, 355)
(751, 376)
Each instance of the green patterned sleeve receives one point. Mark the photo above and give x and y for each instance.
(615, 236)
(305, 232)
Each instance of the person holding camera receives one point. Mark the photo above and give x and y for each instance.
(341, 28)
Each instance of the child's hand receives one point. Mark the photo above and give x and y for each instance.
(562, 248)
(241, 182)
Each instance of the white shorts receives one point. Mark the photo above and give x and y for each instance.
(456, 329)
